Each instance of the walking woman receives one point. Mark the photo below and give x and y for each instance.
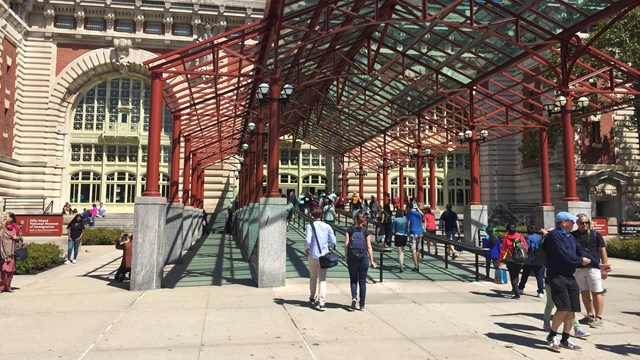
(319, 238)
(359, 254)
(509, 254)
(75, 230)
(400, 231)
(10, 240)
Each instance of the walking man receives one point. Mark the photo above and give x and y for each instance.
(590, 278)
(564, 254)
(318, 233)
(449, 219)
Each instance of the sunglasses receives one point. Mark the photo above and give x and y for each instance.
(584, 222)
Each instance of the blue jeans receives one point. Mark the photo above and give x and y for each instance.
(358, 275)
(539, 273)
(74, 244)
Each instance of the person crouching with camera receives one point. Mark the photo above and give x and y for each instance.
(124, 243)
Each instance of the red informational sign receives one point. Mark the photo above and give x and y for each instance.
(40, 225)
(600, 225)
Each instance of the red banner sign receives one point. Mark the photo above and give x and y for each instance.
(600, 225)
(40, 225)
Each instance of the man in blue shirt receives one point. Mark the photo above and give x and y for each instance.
(326, 239)
(449, 219)
(414, 217)
(564, 255)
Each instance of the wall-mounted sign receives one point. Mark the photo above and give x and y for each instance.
(600, 225)
(40, 225)
(629, 228)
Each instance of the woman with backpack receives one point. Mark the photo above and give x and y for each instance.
(514, 253)
(359, 255)
(533, 242)
(491, 242)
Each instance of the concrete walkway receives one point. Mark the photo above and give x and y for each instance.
(210, 310)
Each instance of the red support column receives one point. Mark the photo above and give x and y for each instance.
(385, 181)
(361, 183)
(201, 187)
(570, 192)
(186, 172)
(249, 162)
(274, 142)
(544, 167)
(257, 193)
(194, 180)
(378, 187)
(153, 144)
(401, 186)
(175, 161)
(432, 183)
(344, 184)
(474, 161)
(419, 176)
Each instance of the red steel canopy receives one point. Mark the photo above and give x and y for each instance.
(389, 75)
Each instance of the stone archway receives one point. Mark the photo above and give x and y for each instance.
(605, 192)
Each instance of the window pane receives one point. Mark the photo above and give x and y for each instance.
(125, 26)
(122, 153)
(95, 24)
(75, 152)
(182, 29)
(154, 28)
(65, 22)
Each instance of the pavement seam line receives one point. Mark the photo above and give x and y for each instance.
(204, 323)
(110, 326)
(313, 356)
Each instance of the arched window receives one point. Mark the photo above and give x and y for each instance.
(314, 180)
(288, 179)
(121, 187)
(458, 191)
(409, 186)
(163, 185)
(84, 187)
(109, 122)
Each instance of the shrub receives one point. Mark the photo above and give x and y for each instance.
(101, 236)
(41, 257)
(624, 249)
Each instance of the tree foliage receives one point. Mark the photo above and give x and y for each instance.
(622, 41)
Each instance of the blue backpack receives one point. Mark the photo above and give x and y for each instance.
(357, 248)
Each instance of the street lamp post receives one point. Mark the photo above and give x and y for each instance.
(562, 106)
(472, 136)
(275, 96)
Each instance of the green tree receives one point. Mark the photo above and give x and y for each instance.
(622, 41)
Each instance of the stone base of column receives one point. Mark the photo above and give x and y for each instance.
(475, 217)
(187, 227)
(148, 243)
(174, 239)
(544, 217)
(268, 260)
(252, 218)
(575, 207)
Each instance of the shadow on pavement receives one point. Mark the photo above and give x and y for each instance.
(528, 341)
(106, 273)
(538, 316)
(307, 304)
(521, 328)
(622, 349)
(493, 294)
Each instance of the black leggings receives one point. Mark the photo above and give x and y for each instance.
(514, 270)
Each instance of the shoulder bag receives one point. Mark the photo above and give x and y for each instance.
(327, 260)
(21, 253)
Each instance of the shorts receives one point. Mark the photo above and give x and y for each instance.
(415, 241)
(565, 293)
(589, 279)
(449, 234)
(400, 240)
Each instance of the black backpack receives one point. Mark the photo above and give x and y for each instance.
(540, 254)
(357, 248)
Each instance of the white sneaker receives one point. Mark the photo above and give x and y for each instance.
(73, 261)
(67, 262)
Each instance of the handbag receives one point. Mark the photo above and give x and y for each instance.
(501, 276)
(458, 248)
(21, 253)
(327, 260)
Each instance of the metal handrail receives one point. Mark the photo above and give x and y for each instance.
(49, 208)
(512, 217)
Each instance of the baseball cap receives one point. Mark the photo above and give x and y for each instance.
(563, 215)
